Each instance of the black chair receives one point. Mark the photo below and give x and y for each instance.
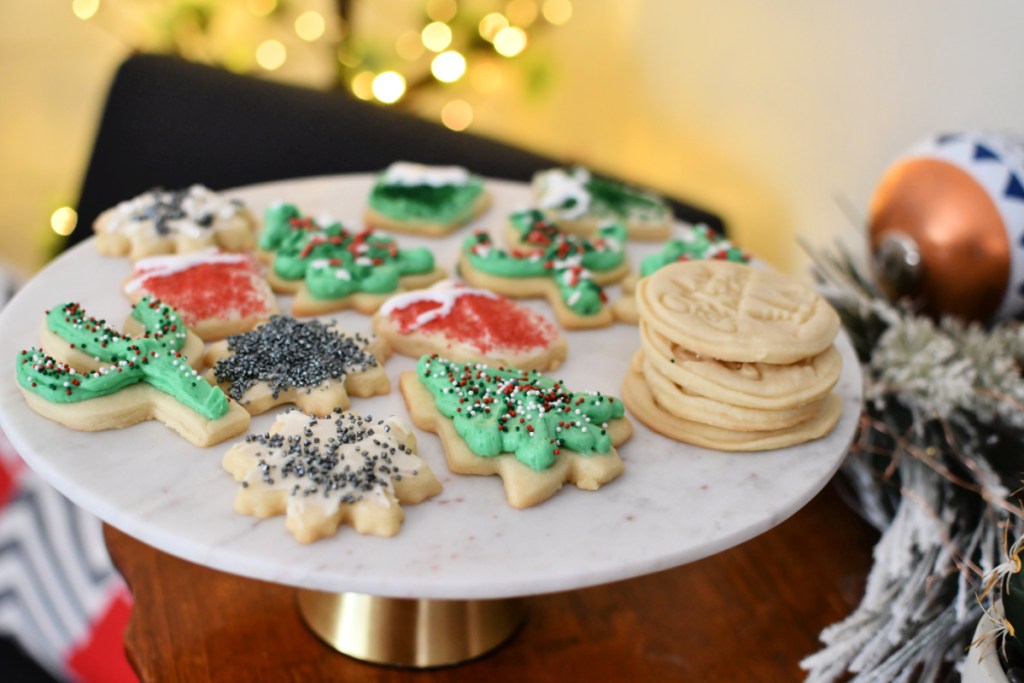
(170, 123)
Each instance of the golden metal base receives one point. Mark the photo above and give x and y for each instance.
(410, 632)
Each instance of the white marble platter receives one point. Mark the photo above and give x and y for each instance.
(674, 503)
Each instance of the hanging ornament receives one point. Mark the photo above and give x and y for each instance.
(946, 224)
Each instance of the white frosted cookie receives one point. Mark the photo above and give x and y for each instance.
(217, 293)
(736, 312)
(580, 201)
(183, 221)
(322, 472)
(425, 200)
(315, 365)
(542, 437)
(763, 386)
(637, 396)
(467, 324)
(123, 380)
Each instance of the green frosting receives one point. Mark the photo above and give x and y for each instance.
(700, 243)
(504, 410)
(154, 358)
(568, 259)
(604, 197)
(335, 262)
(426, 203)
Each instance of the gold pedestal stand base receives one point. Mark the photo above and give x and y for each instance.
(410, 632)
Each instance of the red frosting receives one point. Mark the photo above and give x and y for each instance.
(484, 322)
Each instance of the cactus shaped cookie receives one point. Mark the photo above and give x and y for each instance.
(126, 379)
(321, 472)
(568, 271)
(330, 268)
(313, 364)
(529, 429)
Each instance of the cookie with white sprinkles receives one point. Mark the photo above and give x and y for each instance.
(321, 472)
(313, 364)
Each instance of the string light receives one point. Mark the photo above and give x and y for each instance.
(389, 86)
(271, 54)
(522, 13)
(491, 24)
(510, 41)
(457, 115)
(448, 67)
(310, 25)
(362, 85)
(436, 36)
(85, 9)
(441, 10)
(557, 12)
(64, 220)
(261, 8)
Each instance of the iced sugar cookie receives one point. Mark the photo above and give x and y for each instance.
(466, 324)
(697, 243)
(130, 379)
(216, 293)
(315, 365)
(528, 429)
(182, 221)
(330, 268)
(580, 201)
(322, 472)
(425, 200)
(568, 271)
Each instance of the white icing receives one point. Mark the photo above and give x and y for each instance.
(558, 186)
(163, 266)
(198, 204)
(407, 173)
(446, 293)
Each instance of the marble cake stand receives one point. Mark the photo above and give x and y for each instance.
(462, 558)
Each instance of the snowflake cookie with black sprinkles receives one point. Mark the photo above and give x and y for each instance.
(321, 472)
(179, 221)
(522, 425)
(312, 363)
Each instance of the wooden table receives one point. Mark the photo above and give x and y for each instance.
(748, 614)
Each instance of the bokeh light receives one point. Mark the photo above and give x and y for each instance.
(557, 12)
(510, 41)
(491, 24)
(85, 9)
(271, 54)
(64, 220)
(487, 75)
(522, 13)
(261, 8)
(310, 25)
(436, 36)
(457, 115)
(389, 86)
(409, 46)
(442, 10)
(448, 67)
(362, 85)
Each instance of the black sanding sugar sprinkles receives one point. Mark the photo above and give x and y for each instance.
(287, 353)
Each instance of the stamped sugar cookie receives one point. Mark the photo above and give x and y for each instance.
(313, 364)
(580, 201)
(466, 324)
(566, 270)
(329, 268)
(128, 379)
(182, 221)
(697, 243)
(322, 472)
(425, 200)
(216, 293)
(735, 312)
(528, 429)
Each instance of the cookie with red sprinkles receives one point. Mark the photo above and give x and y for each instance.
(529, 429)
(467, 324)
(217, 293)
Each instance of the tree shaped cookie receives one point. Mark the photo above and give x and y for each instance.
(566, 270)
(329, 268)
(425, 200)
(579, 201)
(697, 243)
(321, 472)
(130, 379)
(182, 221)
(313, 364)
(521, 425)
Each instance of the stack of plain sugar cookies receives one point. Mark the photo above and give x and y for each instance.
(733, 358)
